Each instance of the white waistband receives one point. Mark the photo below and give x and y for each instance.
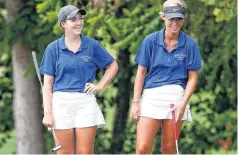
(73, 98)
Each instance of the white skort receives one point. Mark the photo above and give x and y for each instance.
(155, 102)
(76, 110)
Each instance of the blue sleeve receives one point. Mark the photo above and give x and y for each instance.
(194, 58)
(48, 62)
(143, 54)
(101, 57)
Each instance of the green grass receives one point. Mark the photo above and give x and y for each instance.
(10, 146)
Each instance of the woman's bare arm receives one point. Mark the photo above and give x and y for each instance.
(139, 83)
(47, 94)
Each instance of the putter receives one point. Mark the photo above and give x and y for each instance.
(174, 127)
(58, 146)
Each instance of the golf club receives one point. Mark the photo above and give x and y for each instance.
(58, 146)
(174, 127)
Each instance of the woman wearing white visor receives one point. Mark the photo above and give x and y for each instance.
(168, 64)
(69, 66)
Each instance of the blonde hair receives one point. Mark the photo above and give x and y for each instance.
(173, 3)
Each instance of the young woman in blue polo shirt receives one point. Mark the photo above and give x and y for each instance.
(168, 63)
(69, 66)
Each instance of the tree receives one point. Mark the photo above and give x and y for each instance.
(27, 102)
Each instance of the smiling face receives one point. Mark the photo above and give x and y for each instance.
(173, 25)
(74, 25)
(174, 14)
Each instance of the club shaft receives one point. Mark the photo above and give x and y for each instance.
(174, 125)
(36, 67)
(56, 140)
(39, 78)
(176, 141)
(174, 128)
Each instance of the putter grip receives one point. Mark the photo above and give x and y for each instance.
(173, 120)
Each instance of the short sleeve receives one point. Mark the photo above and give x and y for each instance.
(48, 62)
(194, 58)
(101, 57)
(143, 54)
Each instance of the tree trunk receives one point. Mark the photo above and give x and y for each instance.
(27, 101)
(123, 100)
(27, 106)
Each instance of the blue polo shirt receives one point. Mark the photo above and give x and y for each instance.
(71, 71)
(165, 67)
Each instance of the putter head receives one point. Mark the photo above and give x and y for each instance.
(50, 129)
(56, 148)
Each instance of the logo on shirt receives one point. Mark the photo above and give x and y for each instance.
(180, 56)
(86, 58)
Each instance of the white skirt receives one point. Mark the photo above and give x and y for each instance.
(76, 110)
(155, 102)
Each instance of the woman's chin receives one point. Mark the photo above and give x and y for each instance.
(174, 31)
(77, 32)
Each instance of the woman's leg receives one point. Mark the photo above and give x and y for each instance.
(168, 140)
(66, 139)
(147, 129)
(85, 138)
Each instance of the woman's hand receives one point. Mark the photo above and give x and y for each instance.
(180, 110)
(91, 88)
(135, 111)
(48, 120)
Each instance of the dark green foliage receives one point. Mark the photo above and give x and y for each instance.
(6, 90)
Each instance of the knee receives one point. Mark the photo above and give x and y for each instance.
(143, 149)
(168, 148)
